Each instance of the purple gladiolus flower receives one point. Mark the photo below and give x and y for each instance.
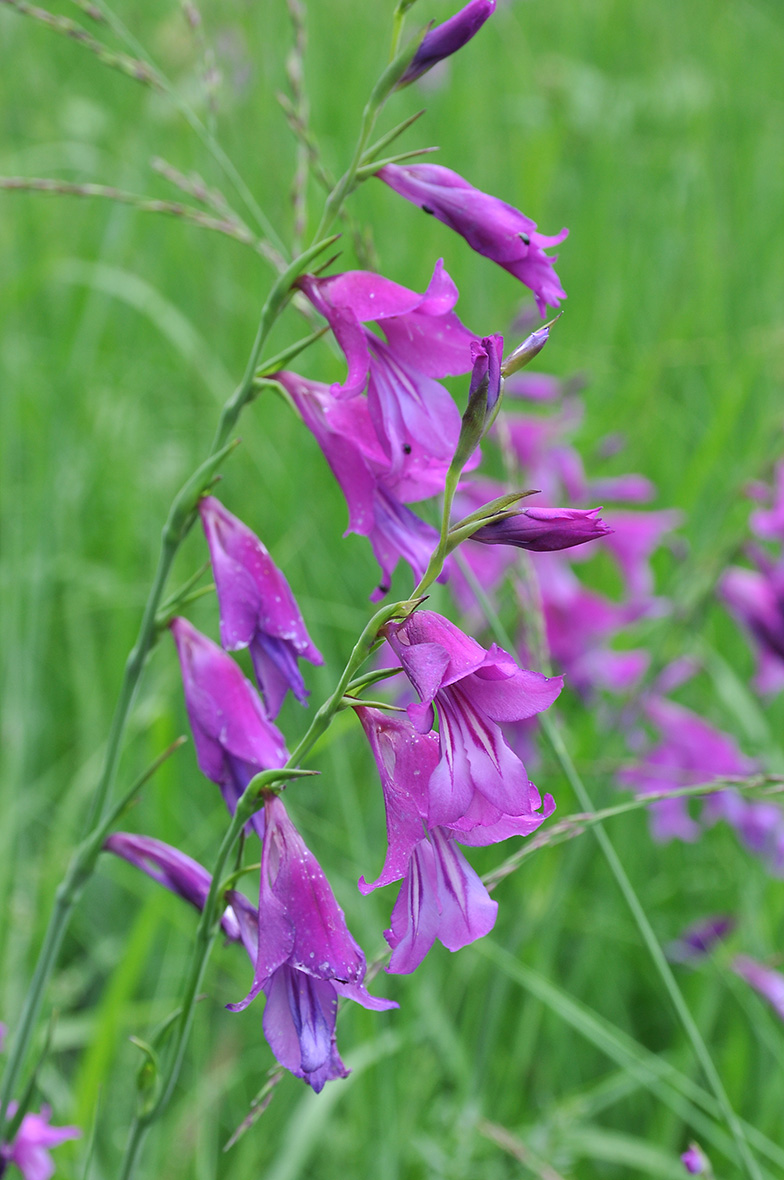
(445, 39)
(491, 227)
(535, 387)
(441, 897)
(475, 691)
(694, 1161)
(544, 529)
(766, 981)
(768, 523)
(172, 869)
(257, 608)
(32, 1144)
(234, 739)
(345, 433)
(304, 956)
(422, 331)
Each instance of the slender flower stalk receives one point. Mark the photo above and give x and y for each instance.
(181, 517)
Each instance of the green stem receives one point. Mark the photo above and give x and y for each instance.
(436, 563)
(206, 934)
(362, 649)
(699, 1048)
(178, 523)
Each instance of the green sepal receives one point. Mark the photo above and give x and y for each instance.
(493, 508)
(360, 682)
(392, 75)
(288, 354)
(390, 137)
(370, 169)
(264, 783)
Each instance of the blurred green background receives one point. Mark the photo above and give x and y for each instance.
(654, 132)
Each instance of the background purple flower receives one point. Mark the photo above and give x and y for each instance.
(32, 1144)
(767, 982)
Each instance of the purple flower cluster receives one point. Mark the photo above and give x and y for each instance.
(391, 433)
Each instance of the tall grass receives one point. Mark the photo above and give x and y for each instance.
(653, 132)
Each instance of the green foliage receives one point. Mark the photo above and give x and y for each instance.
(651, 131)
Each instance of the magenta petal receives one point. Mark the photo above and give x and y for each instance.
(405, 759)
(367, 295)
(475, 757)
(257, 606)
(484, 824)
(416, 913)
(322, 944)
(467, 910)
(32, 1143)
(766, 981)
(425, 664)
(490, 226)
(359, 994)
(225, 714)
(170, 868)
(299, 1024)
(512, 698)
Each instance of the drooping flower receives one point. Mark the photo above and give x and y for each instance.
(493, 228)
(422, 331)
(445, 39)
(304, 956)
(475, 691)
(544, 529)
(171, 868)
(441, 896)
(233, 736)
(345, 434)
(257, 608)
(767, 982)
(32, 1144)
(299, 916)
